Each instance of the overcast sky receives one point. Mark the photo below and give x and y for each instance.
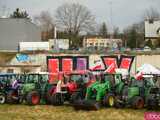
(124, 12)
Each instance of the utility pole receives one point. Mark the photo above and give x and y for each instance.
(111, 16)
(111, 22)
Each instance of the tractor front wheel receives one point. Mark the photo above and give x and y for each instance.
(138, 102)
(109, 100)
(152, 104)
(33, 98)
(119, 102)
(57, 99)
(2, 98)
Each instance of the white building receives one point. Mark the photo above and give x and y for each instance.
(59, 44)
(101, 42)
(152, 30)
(31, 46)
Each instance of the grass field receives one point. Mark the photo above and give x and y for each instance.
(45, 112)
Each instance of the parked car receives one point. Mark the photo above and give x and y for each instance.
(146, 48)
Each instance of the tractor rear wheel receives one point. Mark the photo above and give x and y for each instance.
(2, 98)
(33, 98)
(75, 97)
(49, 94)
(152, 104)
(12, 97)
(109, 100)
(57, 99)
(138, 102)
(118, 102)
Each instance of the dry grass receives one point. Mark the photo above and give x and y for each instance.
(45, 112)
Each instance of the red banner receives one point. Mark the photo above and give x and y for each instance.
(111, 64)
(53, 68)
(125, 63)
(67, 65)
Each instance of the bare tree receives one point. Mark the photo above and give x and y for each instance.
(74, 18)
(151, 14)
(44, 20)
(46, 23)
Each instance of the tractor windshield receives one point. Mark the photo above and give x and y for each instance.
(75, 77)
(32, 78)
(109, 77)
(137, 83)
(44, 77)
(149, 81)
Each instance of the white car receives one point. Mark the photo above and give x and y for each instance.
(146, 48)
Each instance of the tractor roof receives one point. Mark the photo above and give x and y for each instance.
(7, 74)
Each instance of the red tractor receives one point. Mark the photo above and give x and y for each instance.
(71, 87)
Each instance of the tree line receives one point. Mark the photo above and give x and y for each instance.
(74, 21)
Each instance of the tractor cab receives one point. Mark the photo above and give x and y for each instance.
(33, 87)
(72, 86)
(100, 92)
(82, 78)
(114, 79)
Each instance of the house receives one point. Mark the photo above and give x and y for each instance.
(101, 42)
(152, 30)
(15, 30)
(59, 44)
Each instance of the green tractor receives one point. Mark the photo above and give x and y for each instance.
(138, 93)
(31, 88)
(100, 93)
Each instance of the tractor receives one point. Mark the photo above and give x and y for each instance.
(138, 93)
(100, 93)
(32, 89)
(71, 87)
(6, 80)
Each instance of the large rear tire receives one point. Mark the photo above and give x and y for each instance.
(2, 98)
(33, 98)
(57, 99)
(49, 94)
(75, 97)
(138, 102)
(12, 97)
(109, 100)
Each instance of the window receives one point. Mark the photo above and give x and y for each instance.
(107, 44)
(91, 44)
(101, 44)
(151, 21)
(96, 44)
(10, 71)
